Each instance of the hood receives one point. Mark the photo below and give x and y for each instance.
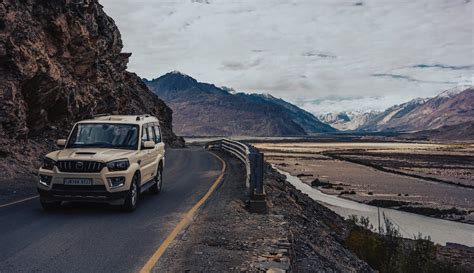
(92, 154)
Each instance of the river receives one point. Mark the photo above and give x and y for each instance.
(409, 224)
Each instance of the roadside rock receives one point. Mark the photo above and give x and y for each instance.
(317, 232)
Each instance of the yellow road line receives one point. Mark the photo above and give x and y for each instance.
(18, 201)
(183, 223)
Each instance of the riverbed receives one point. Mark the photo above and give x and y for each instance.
(409, 224)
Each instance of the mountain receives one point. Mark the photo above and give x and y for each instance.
(335, 117)
(347, 121)
(381, 121)
(453, 106)
(462, 131)
(204, 109)
(308, 121)
(62, 61)
(448, 110)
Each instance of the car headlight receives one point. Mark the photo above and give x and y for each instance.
(118, 165)
(48, 163)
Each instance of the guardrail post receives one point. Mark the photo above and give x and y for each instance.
(259, 174)
(253, 173)
(257, 201)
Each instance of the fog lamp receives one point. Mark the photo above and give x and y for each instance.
(45, 180)
(115, 182)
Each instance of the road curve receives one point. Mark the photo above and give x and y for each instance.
(99, 238)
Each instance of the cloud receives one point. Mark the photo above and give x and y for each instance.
(410, 79)
(350, 104)
(303, 50)
(444, 66)
(239, 65)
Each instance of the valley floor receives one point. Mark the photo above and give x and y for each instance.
(430, 179)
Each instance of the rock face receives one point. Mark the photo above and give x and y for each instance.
(61, 61)
(205, 110)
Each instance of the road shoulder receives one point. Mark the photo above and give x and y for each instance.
(296, 234)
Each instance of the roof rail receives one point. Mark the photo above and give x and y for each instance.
(142, 116)
(101, 115)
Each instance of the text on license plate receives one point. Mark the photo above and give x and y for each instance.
(78, 181)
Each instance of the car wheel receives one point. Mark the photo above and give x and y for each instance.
(50, 205)
(156, 188)
(131, 200)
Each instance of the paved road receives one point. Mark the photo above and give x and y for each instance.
(98, 238)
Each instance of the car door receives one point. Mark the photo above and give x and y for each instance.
(154, 153)
(146, 165)
(159, 144)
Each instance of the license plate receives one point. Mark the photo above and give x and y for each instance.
(78, 181)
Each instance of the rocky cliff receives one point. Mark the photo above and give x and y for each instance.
(203, 109)
(62, 61)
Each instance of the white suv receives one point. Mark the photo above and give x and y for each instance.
(108, 159)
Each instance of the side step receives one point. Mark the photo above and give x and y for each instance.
(147, 185)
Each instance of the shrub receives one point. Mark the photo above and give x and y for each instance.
(388, 252)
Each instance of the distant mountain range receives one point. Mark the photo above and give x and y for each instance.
(348, 121)
(202, 109)
(452, 108)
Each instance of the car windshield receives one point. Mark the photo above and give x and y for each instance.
(104, 135)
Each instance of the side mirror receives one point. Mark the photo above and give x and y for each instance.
(148, 144)
(61, 143)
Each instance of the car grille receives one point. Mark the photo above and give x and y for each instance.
(78, 166)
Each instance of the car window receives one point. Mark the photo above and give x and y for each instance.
(144, 134)
(104, 135)
(151, 134)
(157, 134)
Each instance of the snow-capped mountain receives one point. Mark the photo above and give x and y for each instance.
(348, 121)
(452, 107)
(383, 120)
(453, 91)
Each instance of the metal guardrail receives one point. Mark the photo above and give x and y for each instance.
(252, 158)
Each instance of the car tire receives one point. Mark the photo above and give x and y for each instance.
(131, 200)
(50, 205)
(158, 185)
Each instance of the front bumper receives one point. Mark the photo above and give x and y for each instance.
(84, 194)
(99, 191)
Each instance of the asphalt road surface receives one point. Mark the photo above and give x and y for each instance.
(100, 238)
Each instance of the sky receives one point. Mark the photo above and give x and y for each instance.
(323, 55)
